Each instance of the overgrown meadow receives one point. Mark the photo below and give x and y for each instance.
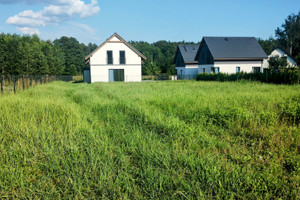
(151, 140)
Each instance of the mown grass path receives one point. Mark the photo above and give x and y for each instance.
(166, 140)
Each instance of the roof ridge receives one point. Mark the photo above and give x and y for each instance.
(120, 38)
(233, 47)
(188, 52)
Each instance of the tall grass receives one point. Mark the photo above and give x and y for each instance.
(152, 140)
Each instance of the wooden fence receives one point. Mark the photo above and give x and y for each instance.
(13, 83)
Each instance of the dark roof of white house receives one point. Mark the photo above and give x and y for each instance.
(234, 48)
(188, 52)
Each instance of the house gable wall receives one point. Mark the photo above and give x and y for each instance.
(204, 56)
(115, 45)
(99, 69)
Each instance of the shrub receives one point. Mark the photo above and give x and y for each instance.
(269, 76)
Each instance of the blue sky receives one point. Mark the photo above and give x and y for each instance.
(147, 20)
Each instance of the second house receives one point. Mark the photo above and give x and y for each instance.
(219, 55)
(230, 55)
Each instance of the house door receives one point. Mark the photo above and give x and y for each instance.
(116, 75)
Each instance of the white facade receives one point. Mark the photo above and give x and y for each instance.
(100, 69)
(187, 72)
(279, 53)
(230, 67)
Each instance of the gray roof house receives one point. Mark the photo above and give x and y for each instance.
(230, 55)
(185, 63)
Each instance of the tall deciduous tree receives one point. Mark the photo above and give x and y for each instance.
(288, 36)
(161, 52)
(74, 53)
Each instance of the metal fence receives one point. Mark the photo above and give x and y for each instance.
(187, 77)
(13, 83)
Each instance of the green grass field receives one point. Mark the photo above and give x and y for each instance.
(153, 140)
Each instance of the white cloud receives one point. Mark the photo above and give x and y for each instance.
(61, 11)
(83, 27)
(27, 30)
(27, 18)
(29, 2)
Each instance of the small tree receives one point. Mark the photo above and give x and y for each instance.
(152, 69)
(71, 70)
(277, 63)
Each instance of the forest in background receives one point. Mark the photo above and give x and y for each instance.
(30, 55)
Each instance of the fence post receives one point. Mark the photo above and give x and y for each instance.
(14, 81)
(1, 84)
(23, 82)
(30, 82)
(285, 76)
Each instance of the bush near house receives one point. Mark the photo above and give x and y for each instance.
(268, 76)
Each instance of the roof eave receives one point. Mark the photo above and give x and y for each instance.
(199, 49)
(174, 60)
(191, 63)
(130, 46)
(120, 38)
(258, 58)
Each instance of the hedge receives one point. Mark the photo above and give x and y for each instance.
(268, 76)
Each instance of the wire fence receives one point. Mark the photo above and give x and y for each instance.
(159, 77)
(14, 83)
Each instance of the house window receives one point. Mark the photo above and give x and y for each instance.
(110, 57)
(203, 70)
(122, 58)
(238, 69)
(256, 69)
(215, 70)
(116, 75)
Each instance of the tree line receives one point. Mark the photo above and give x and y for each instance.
(160, 56)
(29, 55)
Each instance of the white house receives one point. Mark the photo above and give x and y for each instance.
(230, 55)
(185, 64)
(114, 60)
(280, 53)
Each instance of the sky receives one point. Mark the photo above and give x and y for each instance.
(144, 20)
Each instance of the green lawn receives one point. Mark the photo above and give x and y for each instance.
(166, 140)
